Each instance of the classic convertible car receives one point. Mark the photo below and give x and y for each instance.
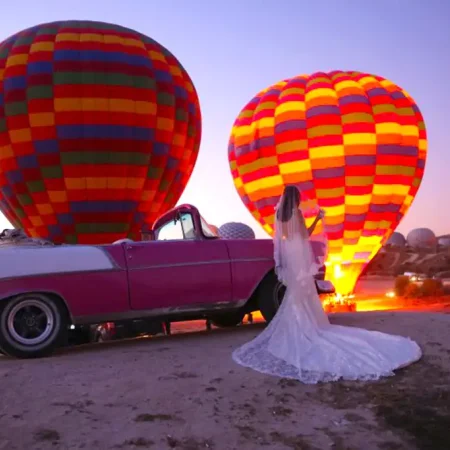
(180, 270)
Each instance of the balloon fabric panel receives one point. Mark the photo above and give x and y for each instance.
(354, 142)
(99, 131)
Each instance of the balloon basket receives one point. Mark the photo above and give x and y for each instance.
(338, 303)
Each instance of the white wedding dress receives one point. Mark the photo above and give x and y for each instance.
(300, 343)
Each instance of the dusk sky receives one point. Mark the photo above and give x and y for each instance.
(232, 49)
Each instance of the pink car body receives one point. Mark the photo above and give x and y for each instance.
(135, 279)
(190, 275)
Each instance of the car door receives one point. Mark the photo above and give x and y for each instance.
(178, 271)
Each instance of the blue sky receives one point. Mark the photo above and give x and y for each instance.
(232, 49)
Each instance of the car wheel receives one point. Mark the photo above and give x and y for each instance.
(32, 325)
(229, 319)
(270, 294)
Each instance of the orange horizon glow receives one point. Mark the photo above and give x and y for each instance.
(374, 304)
(351, 303)
(387, 302)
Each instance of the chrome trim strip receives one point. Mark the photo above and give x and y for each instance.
(201, 263)
(205, 308)
(117, 268)
(251, 260)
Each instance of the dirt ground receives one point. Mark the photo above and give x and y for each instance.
(185, 392)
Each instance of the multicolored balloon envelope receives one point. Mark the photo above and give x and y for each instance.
(99, 131)
(354, 142)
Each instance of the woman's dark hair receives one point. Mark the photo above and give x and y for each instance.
(291, 201)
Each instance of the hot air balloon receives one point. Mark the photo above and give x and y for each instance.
(236, 230)
(422, 238)
(396, 240)
(99, 131)
(354, 142)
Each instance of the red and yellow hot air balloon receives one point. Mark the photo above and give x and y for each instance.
(99, 131)
(354, 142)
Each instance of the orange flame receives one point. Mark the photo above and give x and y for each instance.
(343, 277)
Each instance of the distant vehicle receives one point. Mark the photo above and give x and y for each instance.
(180, 270)
(415, 277)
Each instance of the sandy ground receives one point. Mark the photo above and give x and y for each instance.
(185, 392)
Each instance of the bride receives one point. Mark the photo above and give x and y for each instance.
(300, 342)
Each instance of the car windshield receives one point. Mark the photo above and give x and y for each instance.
(178, 229)
(206, 229)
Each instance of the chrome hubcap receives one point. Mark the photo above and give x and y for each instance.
(30, 322)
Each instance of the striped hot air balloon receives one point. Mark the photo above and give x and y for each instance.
(99, 131)
(354, 142)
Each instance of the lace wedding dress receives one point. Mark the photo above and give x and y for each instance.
(300, 343)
